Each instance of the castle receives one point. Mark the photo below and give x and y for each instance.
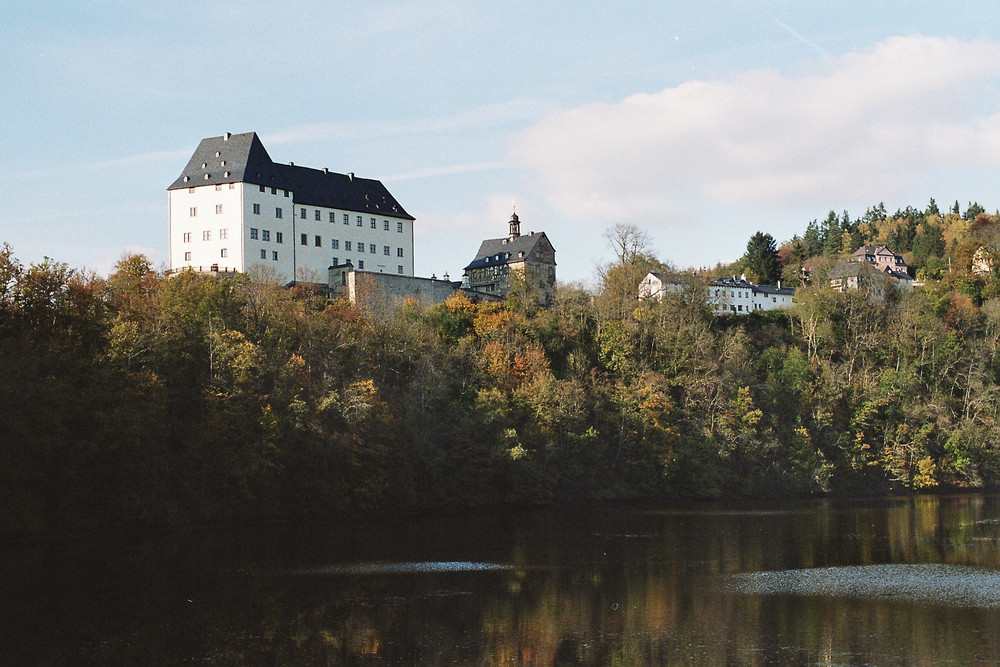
(233, 208)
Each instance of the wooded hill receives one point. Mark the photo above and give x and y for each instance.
(142, 399)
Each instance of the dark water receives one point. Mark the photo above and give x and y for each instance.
(893, 582)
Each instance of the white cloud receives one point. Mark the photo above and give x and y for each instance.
(863, 126)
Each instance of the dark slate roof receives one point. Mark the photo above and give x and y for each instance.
(739, 283)
(494, 252)
(235, 158)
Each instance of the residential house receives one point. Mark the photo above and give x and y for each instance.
(723, 295)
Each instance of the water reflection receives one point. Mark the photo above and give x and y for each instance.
(592, 586)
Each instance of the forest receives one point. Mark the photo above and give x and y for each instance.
(139, 399)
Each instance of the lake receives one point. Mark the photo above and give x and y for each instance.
(900, 581)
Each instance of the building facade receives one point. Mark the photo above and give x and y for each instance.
(530, 255)
(233, 208)
(723, 295)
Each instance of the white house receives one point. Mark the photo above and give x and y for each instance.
(233, 208)
(723, 295)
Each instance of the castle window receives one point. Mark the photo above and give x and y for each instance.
(274, 255)
(347, 245)
(263, 254)
(303, 239)
(361, 246)
(193, 211)
(385, 250)
(399, 227)
(374, 224)
(253, 232)
(286, 193)
(256, 209)
(278, 238)
(224, 252)
(317, 214)
(335, 244)
(333, 216)
(361, 264)
(190, 190)
(274, 191)
(266, 236)
(318, 241)
(385, 225)
(371, 248)
(302, 213)
(261, 189)
(187, 257)
(399, 268)
(206, 235)
(277, 212)
(223, 234)
(187, 237)
(335, 262)
(360, 221)
(218, 187)
(399, 252)
(346, 219)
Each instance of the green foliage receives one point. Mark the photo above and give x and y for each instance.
(146, 399)
(761, 260)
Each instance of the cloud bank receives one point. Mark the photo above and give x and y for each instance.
(859, 127)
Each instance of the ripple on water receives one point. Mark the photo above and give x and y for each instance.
(951, 585)
(400, 568)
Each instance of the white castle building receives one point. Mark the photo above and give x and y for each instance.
(233, 208)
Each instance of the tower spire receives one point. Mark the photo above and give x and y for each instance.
(515, 227)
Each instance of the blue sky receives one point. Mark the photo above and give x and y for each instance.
(701, 122)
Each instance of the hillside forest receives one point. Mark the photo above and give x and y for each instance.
(143, 399)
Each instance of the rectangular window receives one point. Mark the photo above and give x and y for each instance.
(218, 209)
(232, 186)
(256, 209)
(266, 235)
(318, 241)
(346, 219)
(335, 244)
(347, 245)
(303, 239)
(278, 238)
(361, 246)
(399, 268)
(374, 226)
(277, 213)
(385, 225)
(206, 235)
(399, 252)
(263, 254)
(274, 191)
(385, 250)
(286, 193)
(302, 213)
(361, 264)
(360, 221)
(190, 191)
(253, 232)
(224, 252)
(218, 187)
(333, 216)
(193, 211)
(274, 255)
(187, 237)
(317, 214)
(261, 189)
(335, 262)
(223, 234)
(371, 248)
(399, 227)
(187, 257)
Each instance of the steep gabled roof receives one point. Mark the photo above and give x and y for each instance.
(236, 158)
(493, 252)
(231, 158)
(320, 187)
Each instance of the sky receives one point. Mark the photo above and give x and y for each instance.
(699, 122)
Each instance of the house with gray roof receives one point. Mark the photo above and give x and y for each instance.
(234, 209)
(529, 255)
(735, 295)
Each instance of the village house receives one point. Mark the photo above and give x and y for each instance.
(871, 259)
(723, 295)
